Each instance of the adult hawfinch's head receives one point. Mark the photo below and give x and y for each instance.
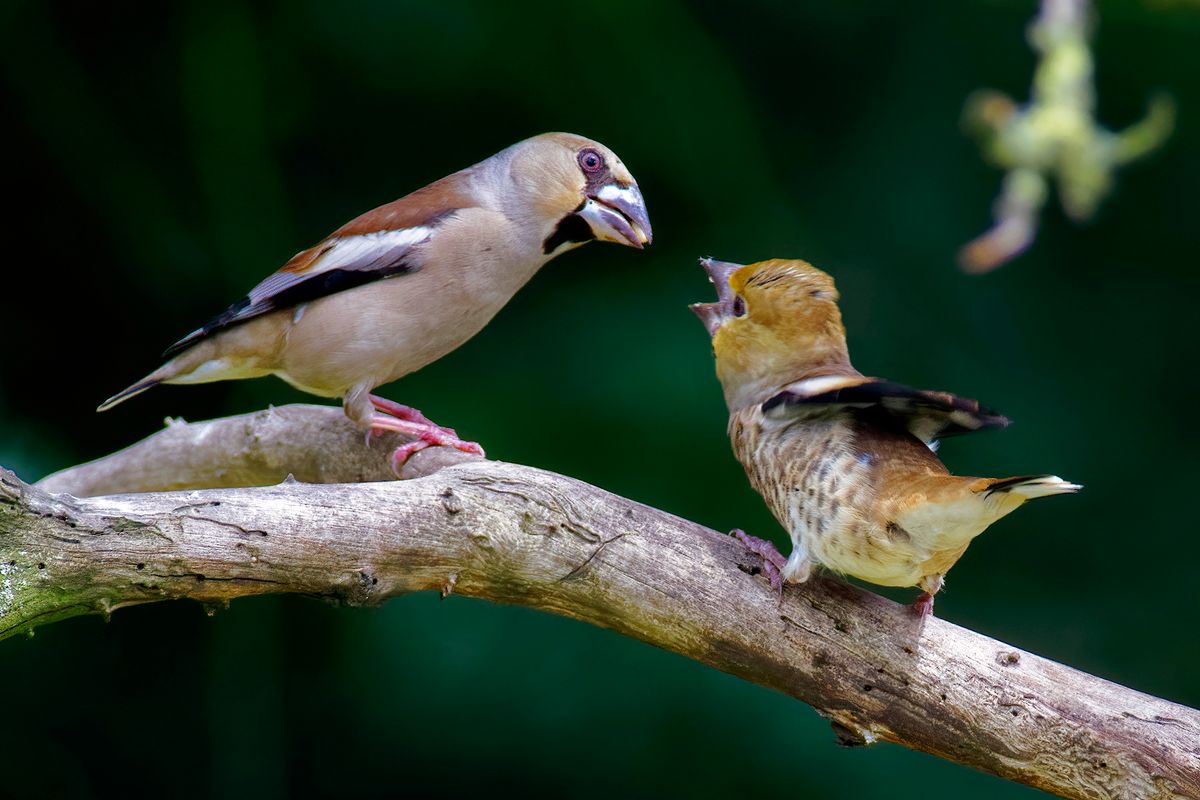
(575, 190)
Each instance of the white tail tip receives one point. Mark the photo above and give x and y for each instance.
(1035, 486)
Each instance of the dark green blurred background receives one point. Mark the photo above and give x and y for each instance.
(162, 158)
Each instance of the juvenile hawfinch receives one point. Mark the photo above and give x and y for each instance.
(846, 463)
(403, 285)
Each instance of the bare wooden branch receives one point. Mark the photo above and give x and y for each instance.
(515, 534)
(313, 444)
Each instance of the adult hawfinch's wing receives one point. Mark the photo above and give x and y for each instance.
(926, 415)
(376, 245)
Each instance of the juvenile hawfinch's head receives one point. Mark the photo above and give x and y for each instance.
(774, 322)
(573, 190)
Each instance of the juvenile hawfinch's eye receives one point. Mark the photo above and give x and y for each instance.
(591, 161)
(739, 306)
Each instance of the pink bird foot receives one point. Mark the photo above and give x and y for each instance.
(929, 586)
(773, 560)
(409, 421)
(406, 413)
(923, 605)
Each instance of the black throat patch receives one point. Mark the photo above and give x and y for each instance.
(571, 229)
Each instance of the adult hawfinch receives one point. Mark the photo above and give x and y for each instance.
(403, 285)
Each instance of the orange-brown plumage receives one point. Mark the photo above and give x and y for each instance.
(845, 462)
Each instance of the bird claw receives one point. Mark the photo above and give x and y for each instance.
(929, 586)
(400, 411)
(433, 436)
(397, 418)
(772, 559)
(402, 453)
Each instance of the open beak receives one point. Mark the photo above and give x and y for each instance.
(618, 214)
(713, 315)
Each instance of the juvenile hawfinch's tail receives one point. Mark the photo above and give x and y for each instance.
(1033, 486)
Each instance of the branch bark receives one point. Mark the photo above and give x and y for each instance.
(515, 534)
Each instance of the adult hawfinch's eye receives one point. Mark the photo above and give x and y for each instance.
(739, 306)
(591, 161)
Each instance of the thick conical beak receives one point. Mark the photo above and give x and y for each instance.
(709, 314)
(713, 315)
(618, 214)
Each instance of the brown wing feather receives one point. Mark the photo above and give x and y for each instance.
(302, 279)
(425, 206)
(366, 261)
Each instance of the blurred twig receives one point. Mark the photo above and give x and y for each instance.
(1055, 136)
(516, 534)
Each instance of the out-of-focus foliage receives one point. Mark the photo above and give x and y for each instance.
(1055, 136)
(163, 157)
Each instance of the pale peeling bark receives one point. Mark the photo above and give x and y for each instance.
(519, 535)
(313, 444)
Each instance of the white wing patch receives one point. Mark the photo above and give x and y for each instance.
(370, 251)
(345, 262)
(825, 383)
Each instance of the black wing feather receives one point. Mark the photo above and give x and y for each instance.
(367, 257)
(926, 415)
(319, 285)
